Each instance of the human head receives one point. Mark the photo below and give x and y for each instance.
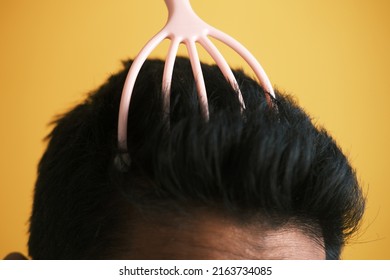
(266, 167)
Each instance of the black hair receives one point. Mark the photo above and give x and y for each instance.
(267, 159)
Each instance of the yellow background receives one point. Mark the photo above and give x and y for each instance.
(333, 55)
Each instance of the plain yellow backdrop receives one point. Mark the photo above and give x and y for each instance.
(333, 56)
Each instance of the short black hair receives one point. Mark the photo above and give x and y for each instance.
(267, 159)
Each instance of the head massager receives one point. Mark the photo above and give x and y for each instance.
(184, 26)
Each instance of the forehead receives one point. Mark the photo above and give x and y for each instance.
(292, 243)
(212, 236)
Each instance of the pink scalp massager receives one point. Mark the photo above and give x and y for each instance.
(185, 26)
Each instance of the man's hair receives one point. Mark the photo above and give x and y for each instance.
(267, 162)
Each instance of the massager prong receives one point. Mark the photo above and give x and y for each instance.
(248, 57)
(223, 66)
(167, 75)
(129, 86)
(198, 76)
(185, 26)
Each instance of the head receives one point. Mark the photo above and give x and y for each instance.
(263, 182)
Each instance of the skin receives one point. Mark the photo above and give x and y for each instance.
(206, 235)
(213, 236)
